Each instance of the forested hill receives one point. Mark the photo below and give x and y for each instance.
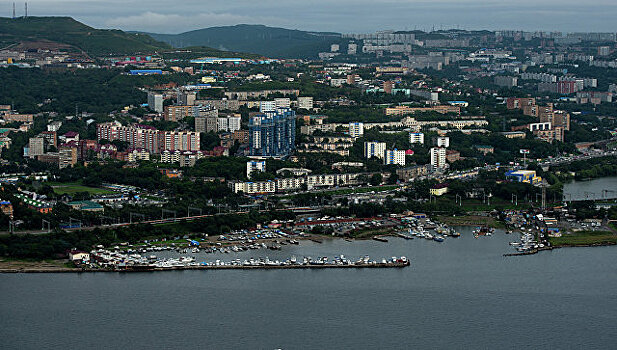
(67, 33)
(260, 39)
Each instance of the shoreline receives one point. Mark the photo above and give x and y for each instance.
(536, 251)
(184, 268)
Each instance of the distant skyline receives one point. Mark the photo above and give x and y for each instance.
(343, 16)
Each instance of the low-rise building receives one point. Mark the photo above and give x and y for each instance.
(439, 189)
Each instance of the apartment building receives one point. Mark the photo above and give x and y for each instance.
(416, 137)
(356, 129)
(155, 102)
(443, 141)
(305, 103)
(36, 146)
(255, 166)
(149, 138)
(273, 134)
(374, 149)
(438, 157)
(394, 156)
(405, 110)
(179, 112)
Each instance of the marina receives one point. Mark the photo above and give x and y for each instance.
(116, 261)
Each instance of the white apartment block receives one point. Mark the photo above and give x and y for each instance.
(282, 102)
(438, 157)
(234, 123)
(394, 157)
(290, 184)
(327, 180)
(356, 129)
(443, 141)
(374, 149)
(54, 126)
(253, 187)
(254, 166)
(305, 103)
(540, 126)
(416, 137)
(138, 154)
(271, 106)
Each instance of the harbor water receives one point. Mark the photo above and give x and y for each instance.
(462, 293)
(595, 189)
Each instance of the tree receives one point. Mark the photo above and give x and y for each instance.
(376, 180)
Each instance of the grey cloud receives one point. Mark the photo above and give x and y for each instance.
(340, 16)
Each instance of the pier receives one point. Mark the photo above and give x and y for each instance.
(146, 268)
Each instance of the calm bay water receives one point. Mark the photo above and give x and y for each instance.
(458, 294)
(592, 189)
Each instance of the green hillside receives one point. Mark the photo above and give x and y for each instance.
(263, 40)
(67, 31)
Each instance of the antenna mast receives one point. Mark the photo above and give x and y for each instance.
(26, 7)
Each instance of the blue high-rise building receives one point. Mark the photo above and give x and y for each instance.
(273, 134)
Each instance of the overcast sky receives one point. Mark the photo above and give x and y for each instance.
(345, 16)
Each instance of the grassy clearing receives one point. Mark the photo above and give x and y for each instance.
(76, 187)
(584, 238)
(470, 220)
(371, 232)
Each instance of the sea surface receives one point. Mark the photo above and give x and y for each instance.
(459, 294)
(591, 189)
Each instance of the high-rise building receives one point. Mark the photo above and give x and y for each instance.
(155, 102)
(186, 98)
(273, 133)
(356, 129)
(67, 157)
(179, 140)
(234, 122)
(394, 157)
(438, 157)
(374, 149)
(416, 137)
(254, 166)
(50, 137)
(567, 87)
(36, 146)
(206, 123)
